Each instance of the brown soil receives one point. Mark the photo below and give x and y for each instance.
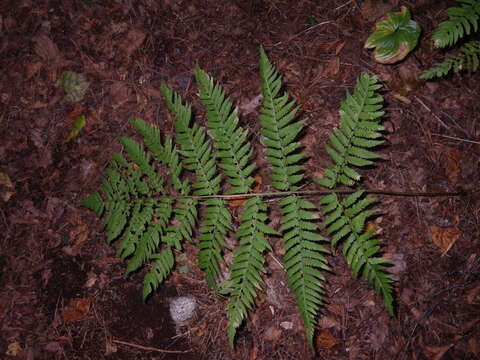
(62, 290)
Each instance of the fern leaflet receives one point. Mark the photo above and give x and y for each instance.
(234, 152)
(304, 257)
(462, 21)
(359, 130)
(467, 58)
(199, 157)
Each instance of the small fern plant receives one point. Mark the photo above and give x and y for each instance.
(154, 215)
(463, 21)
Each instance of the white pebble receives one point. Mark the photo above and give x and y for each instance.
(182, 308)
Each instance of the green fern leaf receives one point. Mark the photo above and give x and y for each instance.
(160, 270)
(230, 140)
(151, 137)
(346, 220)
(278, 129)
(248, 263)
(462, 22)
(358, 128)
(199, 157)
(304, 255)
(234, 152)
(304, 259)
(141, 158)
(467, 58)
(95, 203)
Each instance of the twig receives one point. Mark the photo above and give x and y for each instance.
(304, 31)
(431, 112)
(459, 139)
(317, 192)
(149, 348)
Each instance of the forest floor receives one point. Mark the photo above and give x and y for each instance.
(63, 294)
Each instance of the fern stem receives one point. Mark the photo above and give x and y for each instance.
(322, 192)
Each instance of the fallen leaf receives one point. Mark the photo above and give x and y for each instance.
(132, 41)
(473, 295)
(287, 325)
(47, 50)
(6, 187)
(76, 309)
(452, 166)
(332, 67)
(326, 322)
(444, 238)
(473, 347)
(436, 352)
(78, 109)
(120, 94)
(79, 125)
(272, 334)
(31, 69)
(14, 349)
(79, 234)
(249, 106)
(74, 84)
(241, 200)
(325, 340)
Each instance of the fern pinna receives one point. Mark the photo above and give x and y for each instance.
(304, 255)
(463, 21)
(153, 216)
(234, 153)
(358, 132)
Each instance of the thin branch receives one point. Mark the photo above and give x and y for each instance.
(319, 192)
(149, 348)
(459, 139)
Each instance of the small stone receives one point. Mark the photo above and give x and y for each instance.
(287, 325)
(182, 308)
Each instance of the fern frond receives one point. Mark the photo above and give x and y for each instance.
(117, 200)
(248, 263)
(304, 256)
(346, 220)
(359, 130)
(157, 213)
(160, 270)
(199, 157)
(95, 203)
(151, 137)
(146, 246)
(185, 209)
(142, 159)
(234, 151)
(278, 129)
(467, 58)
(462, 21)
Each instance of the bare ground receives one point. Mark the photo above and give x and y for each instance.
(62, 290)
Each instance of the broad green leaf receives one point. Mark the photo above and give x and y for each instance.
(394, 37)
